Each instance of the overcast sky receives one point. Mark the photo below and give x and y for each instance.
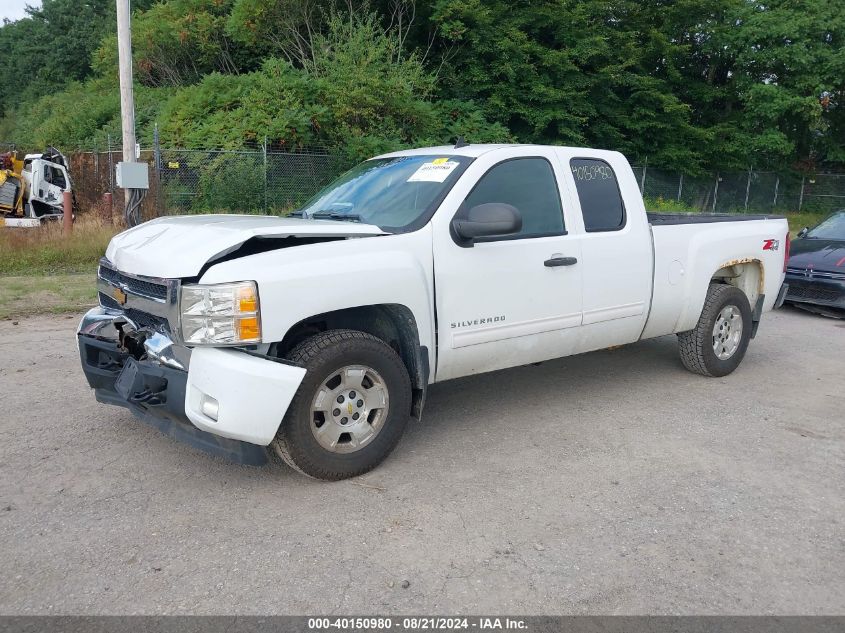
(13, 9)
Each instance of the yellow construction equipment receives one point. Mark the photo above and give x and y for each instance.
(12, 184)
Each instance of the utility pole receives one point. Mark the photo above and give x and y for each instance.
(127, 97)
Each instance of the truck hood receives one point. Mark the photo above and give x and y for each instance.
(179, 246)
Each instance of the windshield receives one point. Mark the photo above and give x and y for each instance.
(396, 194)
(833, 228)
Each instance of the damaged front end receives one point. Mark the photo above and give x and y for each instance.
(131, 357)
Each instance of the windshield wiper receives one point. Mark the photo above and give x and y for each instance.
(326, 215)
(334, 215)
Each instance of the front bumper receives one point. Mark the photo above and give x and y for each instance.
(252, 392)
(816, 290)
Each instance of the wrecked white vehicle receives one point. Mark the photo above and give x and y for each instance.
(318, 335)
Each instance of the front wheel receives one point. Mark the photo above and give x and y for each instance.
(350, 410)
(718, 343)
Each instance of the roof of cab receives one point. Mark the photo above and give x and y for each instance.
(474, 150)
(477, 149)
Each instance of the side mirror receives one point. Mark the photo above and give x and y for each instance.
(488, 220)
(803, 232)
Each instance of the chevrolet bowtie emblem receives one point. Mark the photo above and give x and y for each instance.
(349, 408)
(119, 295)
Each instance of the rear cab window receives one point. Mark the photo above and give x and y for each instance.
(598, 192)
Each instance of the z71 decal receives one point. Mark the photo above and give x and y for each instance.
(771, 245)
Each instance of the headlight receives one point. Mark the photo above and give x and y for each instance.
(220, 314)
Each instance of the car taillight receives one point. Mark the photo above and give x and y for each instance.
(786, 252)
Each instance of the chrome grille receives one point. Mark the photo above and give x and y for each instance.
(149, 302)
(146, 320)
(138, 317)
(133, 284)
(109, 302)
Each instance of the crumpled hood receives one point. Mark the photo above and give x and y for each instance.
(179, 246)
(821, 255)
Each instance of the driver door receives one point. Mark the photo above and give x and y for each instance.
(509, 300)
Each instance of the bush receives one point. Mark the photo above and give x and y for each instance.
(83, 115)
(661, 205)
(358, 93)
(231, 183)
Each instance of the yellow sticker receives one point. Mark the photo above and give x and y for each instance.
(173, 164)
(440, 161)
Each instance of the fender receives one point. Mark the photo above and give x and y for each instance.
(691, 256)
(301, 282)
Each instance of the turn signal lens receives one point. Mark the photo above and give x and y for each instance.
(247, 299)
(248, 328)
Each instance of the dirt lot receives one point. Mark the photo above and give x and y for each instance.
(614, 482)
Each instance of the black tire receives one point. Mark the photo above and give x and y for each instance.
(696, 346)
(321, 355)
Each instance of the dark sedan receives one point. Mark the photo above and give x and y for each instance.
(816, 268)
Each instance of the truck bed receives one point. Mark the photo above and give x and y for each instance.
(665, 219)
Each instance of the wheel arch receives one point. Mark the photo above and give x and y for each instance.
(392, 323)
(746, 274)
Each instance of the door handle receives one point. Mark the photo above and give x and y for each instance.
(560, 261)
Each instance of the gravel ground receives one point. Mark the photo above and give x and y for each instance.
(610, 483)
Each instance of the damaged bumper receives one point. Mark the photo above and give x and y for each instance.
(226, 401)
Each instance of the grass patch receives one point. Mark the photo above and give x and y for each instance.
(28, 295)
(798, 221)
(45, 250)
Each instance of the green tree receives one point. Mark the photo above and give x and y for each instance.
(567, 72)
(691, 84)
(80, 116)
(358, 93)
(790, 69)
(52, 46)
(177, 42)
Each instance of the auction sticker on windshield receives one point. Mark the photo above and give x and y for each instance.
(435, 171)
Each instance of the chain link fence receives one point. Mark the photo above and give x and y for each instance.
(247, 181)
(93, 174)
(266, 179)
(742, 192)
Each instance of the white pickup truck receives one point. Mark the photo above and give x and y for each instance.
(317, 335)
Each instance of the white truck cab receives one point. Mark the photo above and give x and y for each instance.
(47, 182)
(33, 189)
(47, 179)
(318, 334)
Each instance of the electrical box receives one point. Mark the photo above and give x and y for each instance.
(132, 175)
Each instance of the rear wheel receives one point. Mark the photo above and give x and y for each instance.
(719, 341)
(350, 410)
